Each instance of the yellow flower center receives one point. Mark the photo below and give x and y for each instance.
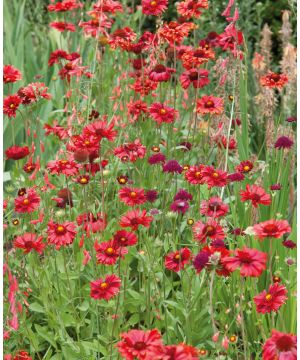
(268, 297)
(122, 239)
(177, 257)
(104, 286)
(232, 338)
(163, 111)
(12, 106)
(110, 251)
(83, 180)
(198, 174)
(190, 221)
(153, 3)
(246, 168)
(25, 201)
(133, 194)
(60, 229)
(202, 352)
(215, 174)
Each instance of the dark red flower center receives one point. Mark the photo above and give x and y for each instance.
(60, 230)
(270, 229)
(214, 206)
(139, 345)
(275, 77)
(209, 104)
(285, 343)
(199, 54)
(159, 68)
(209, 230)
(193, 76)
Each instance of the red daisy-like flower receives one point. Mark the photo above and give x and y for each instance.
(108, 252)
(140, 345)
(210, 105)
(280, 346)
(196, 57)
(136, 109)
(62, 26)
(211, 229)
(29, 242)
(92, 223)
(98, 24)
(11, 104)
(244, 167)
(154, 7)
(251, 262)
(214, 207)
(135, 218)
(22, 355)
(105, 288)
(28, 202)
(132, 196)
(125, 238)
(271, 229)
(174, 32)
(197, 77)
(161, 73)
(162, 113)
(175, 261)
(61, 234)
(131, 151)
(11, 74)
(66, 167)
(191, 8)
(214, 177)
(122, 38)
(33, 92)
(194, 175)
(17, 152)
(101, 129)
(273, 80)
(143, 86)
(65, 5)
(256, 194)
(271, 300)
(179, 352)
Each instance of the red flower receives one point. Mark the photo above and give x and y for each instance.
(280, 346)
(180, 352)
(17, 152)
(196, 57)
(161, 73)
(122, 38)
(105, 288)
(90, 222)
(33, 92)
(62, 26)
(22, 355)
(66, 167)
(140, 345)
(143, 86)
(211, 257)
(96, 25)
(109, 252)
(271, 300)
(125, 238)
(29, 242)
(245, 166)
(61, 234)
(175, 261)
(174, 32)
(256, 195)
(28, 202)
(191, 8)
(132, 196)
(197, 77)
(211, 229)
(194, 175)
(271, 229)
(11, 74)
(214, 207)
(210, 105)
(214, 177)
(136, 109)
(273, 80)
(11, 104)
(154, 7)
(162, 113)
(65, 5)
(134, 218)
(101, 129)
(131, 151)
(250, 261)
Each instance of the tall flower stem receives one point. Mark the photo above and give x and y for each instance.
(242, 318)
(211, 308)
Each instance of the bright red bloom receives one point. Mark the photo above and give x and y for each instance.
(154, 7)
(214, 208)
(122, 38)
(29, 242)
(56, 55)
(272, 299)
(72, 69)
(197, 77)
(175, 261)
(194, 174)
(143, 86)
(210, 105)
(130, 151)
(196, 57)
(256, 194)
(28, 202)
(33, 92)
(66, 167)
(134, 218)
(162, 113)
(214, 177)
(22, 355)
(101, 129)
(109, 6)
(140, 345)
(56, 130)
(92, 223)
(231, 38)
(174, 32)
(245, 166)
(251, 262)
(125, 238)
(280, 346)
(271, 229)
(273, 80)
(97, 25)
(65, 5)
(61, 234)
(62, 26)
(191, 8)
(132, 196)
(211, 229)
(211, 257)
(179, 352)
(136, 109)
(161, 73)
(11, 74)
(10, 105)
(105, 288)
(17, 152)
(109, 252)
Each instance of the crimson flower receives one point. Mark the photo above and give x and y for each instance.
(66, 167)
(101, 129)
(256, 194)
(135, 218)
(175, 261)
(162, 113)
(214, 177)
(280, 346)
(130, 151)
(273, 80)
(105, 288)
(132, 196)
(61, 234)
(125, 238)
(194, 175)
(154, 7)
(161, 73)
(11, 74)
(28, 202)
(191, 8)
(29, 242)
(197, 77)
(211, 229)
(210, 105)
(17, 152)
(107, 253)
(271, 229)
(214, 207)
(271, 300)
(11, 104)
